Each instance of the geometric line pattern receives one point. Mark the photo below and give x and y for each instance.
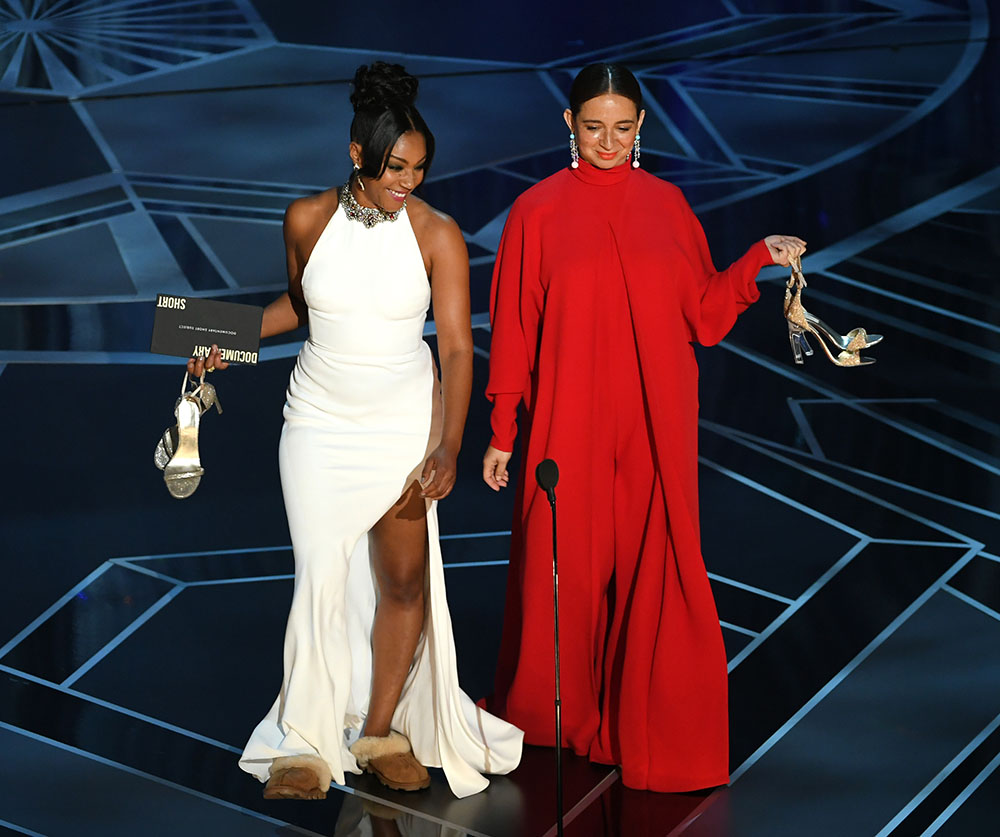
(691, 75)
(70, 46)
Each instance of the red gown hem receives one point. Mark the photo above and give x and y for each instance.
(676, 785)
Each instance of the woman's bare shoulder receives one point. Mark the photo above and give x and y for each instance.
(431, 223)
(306, 216)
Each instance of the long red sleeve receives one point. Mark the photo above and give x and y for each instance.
(718, 297)
(515, 312)
(503, 420)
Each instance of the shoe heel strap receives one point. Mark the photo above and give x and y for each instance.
(797, 278)
(194, 394)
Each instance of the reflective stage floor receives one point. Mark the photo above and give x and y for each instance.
(851, 517)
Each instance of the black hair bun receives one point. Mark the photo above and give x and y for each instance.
(380, 84)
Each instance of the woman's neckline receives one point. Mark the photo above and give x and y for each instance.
(601, 177)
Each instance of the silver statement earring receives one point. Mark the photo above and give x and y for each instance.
(357, 174)
(635, 152)
(574, 152)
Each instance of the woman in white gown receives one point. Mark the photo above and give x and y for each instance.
(369, 446)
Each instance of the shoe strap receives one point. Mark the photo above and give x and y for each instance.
(184, 384)
(796, 281)
(194, 394)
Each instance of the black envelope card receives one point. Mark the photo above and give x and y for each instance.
(187, 325)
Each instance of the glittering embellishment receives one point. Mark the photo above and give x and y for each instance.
(857, 339)
(369, 216)
(209, 398)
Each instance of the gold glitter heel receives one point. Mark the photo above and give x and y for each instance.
(800, 322)
(854, 341)
(178, 446)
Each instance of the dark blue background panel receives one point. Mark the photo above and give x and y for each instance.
(37, 268)
(28, 162)
(516, 31)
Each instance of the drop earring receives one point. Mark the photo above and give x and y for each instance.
(574, 152)
(357, 174)
(635, 152)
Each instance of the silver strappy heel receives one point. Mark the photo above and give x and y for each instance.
(177, 452)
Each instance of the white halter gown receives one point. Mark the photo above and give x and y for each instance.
(357, 427)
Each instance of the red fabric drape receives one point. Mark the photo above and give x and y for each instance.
(602, 281)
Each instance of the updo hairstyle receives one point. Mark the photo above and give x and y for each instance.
(383, 111)
(599, 79)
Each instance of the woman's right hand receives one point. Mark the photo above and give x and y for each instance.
(784, 248)
(495, 468)
(198, 366)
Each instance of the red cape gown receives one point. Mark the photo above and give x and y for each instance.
(603, 280)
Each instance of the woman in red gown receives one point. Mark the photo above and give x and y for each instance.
(603, 280)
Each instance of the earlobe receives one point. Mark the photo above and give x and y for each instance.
(354, 152)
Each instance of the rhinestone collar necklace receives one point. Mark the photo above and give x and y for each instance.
(369, 216)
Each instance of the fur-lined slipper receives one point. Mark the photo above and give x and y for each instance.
(392, 761)
(298, 777)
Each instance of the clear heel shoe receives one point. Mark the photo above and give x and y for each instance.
(177, 452)
(800, 322)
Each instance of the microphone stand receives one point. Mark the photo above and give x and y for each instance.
(547, 475)
(555, 610)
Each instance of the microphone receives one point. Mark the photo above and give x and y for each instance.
(547, 475)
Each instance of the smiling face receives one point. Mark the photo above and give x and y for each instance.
(404, 171)
(605, 129)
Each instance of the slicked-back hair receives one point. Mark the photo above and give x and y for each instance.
(599, 79)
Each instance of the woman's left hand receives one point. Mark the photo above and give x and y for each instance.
(198, 366)
(438, 477)
(783, 248)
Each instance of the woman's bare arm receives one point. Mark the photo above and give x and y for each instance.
(288, 311)
(305, 219)
(449, 259)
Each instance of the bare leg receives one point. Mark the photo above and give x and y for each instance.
(399, 549)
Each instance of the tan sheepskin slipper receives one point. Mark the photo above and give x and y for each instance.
(298, 777)
(392, 761)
